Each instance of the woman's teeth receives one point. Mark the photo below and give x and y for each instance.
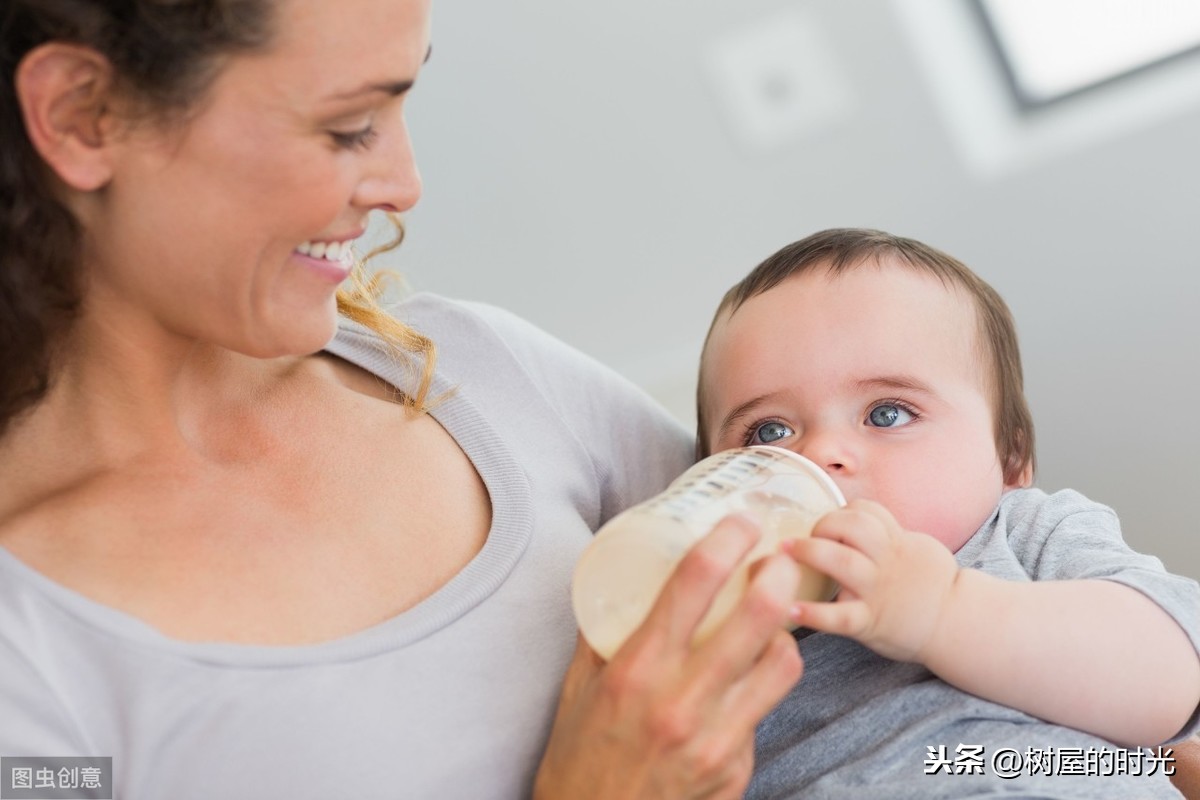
(338, 252)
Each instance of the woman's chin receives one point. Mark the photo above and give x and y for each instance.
(300, 333)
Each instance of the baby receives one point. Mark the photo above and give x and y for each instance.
(978, 617)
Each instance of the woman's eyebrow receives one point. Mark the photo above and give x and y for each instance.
(390, 88)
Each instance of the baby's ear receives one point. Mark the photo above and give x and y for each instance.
(1017, 475)
(1018, 462)
(64, 91)
(1025, 479)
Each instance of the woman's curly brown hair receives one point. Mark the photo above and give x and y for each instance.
(164, 54)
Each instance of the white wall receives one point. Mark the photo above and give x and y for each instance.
(580, 171)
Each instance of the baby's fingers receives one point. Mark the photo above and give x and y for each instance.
(862, 526)
(853, 571)
(850, 618)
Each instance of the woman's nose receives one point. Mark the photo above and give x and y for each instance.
(391, 181)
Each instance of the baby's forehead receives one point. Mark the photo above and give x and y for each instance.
(885, 300)
(884, 283)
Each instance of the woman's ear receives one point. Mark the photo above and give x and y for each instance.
(64, 91)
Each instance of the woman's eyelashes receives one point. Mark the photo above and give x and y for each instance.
(355, 140)
(891, 414)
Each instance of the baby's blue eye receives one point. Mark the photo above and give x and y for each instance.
(770, 432)
(889, 415)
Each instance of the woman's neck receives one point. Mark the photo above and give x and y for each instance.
(119, 395)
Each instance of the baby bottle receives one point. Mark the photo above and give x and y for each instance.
(622, 570)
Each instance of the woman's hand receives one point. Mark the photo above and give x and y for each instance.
(1187, 767)
(663, 719)
(895, 583)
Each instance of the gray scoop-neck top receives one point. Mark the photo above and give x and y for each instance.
(452, 698)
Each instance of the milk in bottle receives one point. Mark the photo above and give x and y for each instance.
(622, 570)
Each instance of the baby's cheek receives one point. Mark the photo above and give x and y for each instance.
(949, 530)
(950, 502)
(951, 523)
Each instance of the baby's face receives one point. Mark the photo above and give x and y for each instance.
(877, 377)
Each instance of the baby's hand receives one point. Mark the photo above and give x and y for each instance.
(895, 583)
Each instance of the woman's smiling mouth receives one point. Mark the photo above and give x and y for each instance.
(332, 260)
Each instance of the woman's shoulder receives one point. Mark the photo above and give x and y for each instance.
(456, 324)
(458, 329)
(488, 352)
(69, 512)
(35, 721)
(477, 343)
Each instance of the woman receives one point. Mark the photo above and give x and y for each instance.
(244, 560)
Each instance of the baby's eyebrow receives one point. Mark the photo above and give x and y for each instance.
(895, 382)
(740, 411)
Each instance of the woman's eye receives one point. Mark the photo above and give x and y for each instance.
(355, 140)
(769, 432)
(889, 415)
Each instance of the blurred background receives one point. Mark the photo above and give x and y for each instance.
(608, 169)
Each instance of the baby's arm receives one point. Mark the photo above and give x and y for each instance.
(1062, 650)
